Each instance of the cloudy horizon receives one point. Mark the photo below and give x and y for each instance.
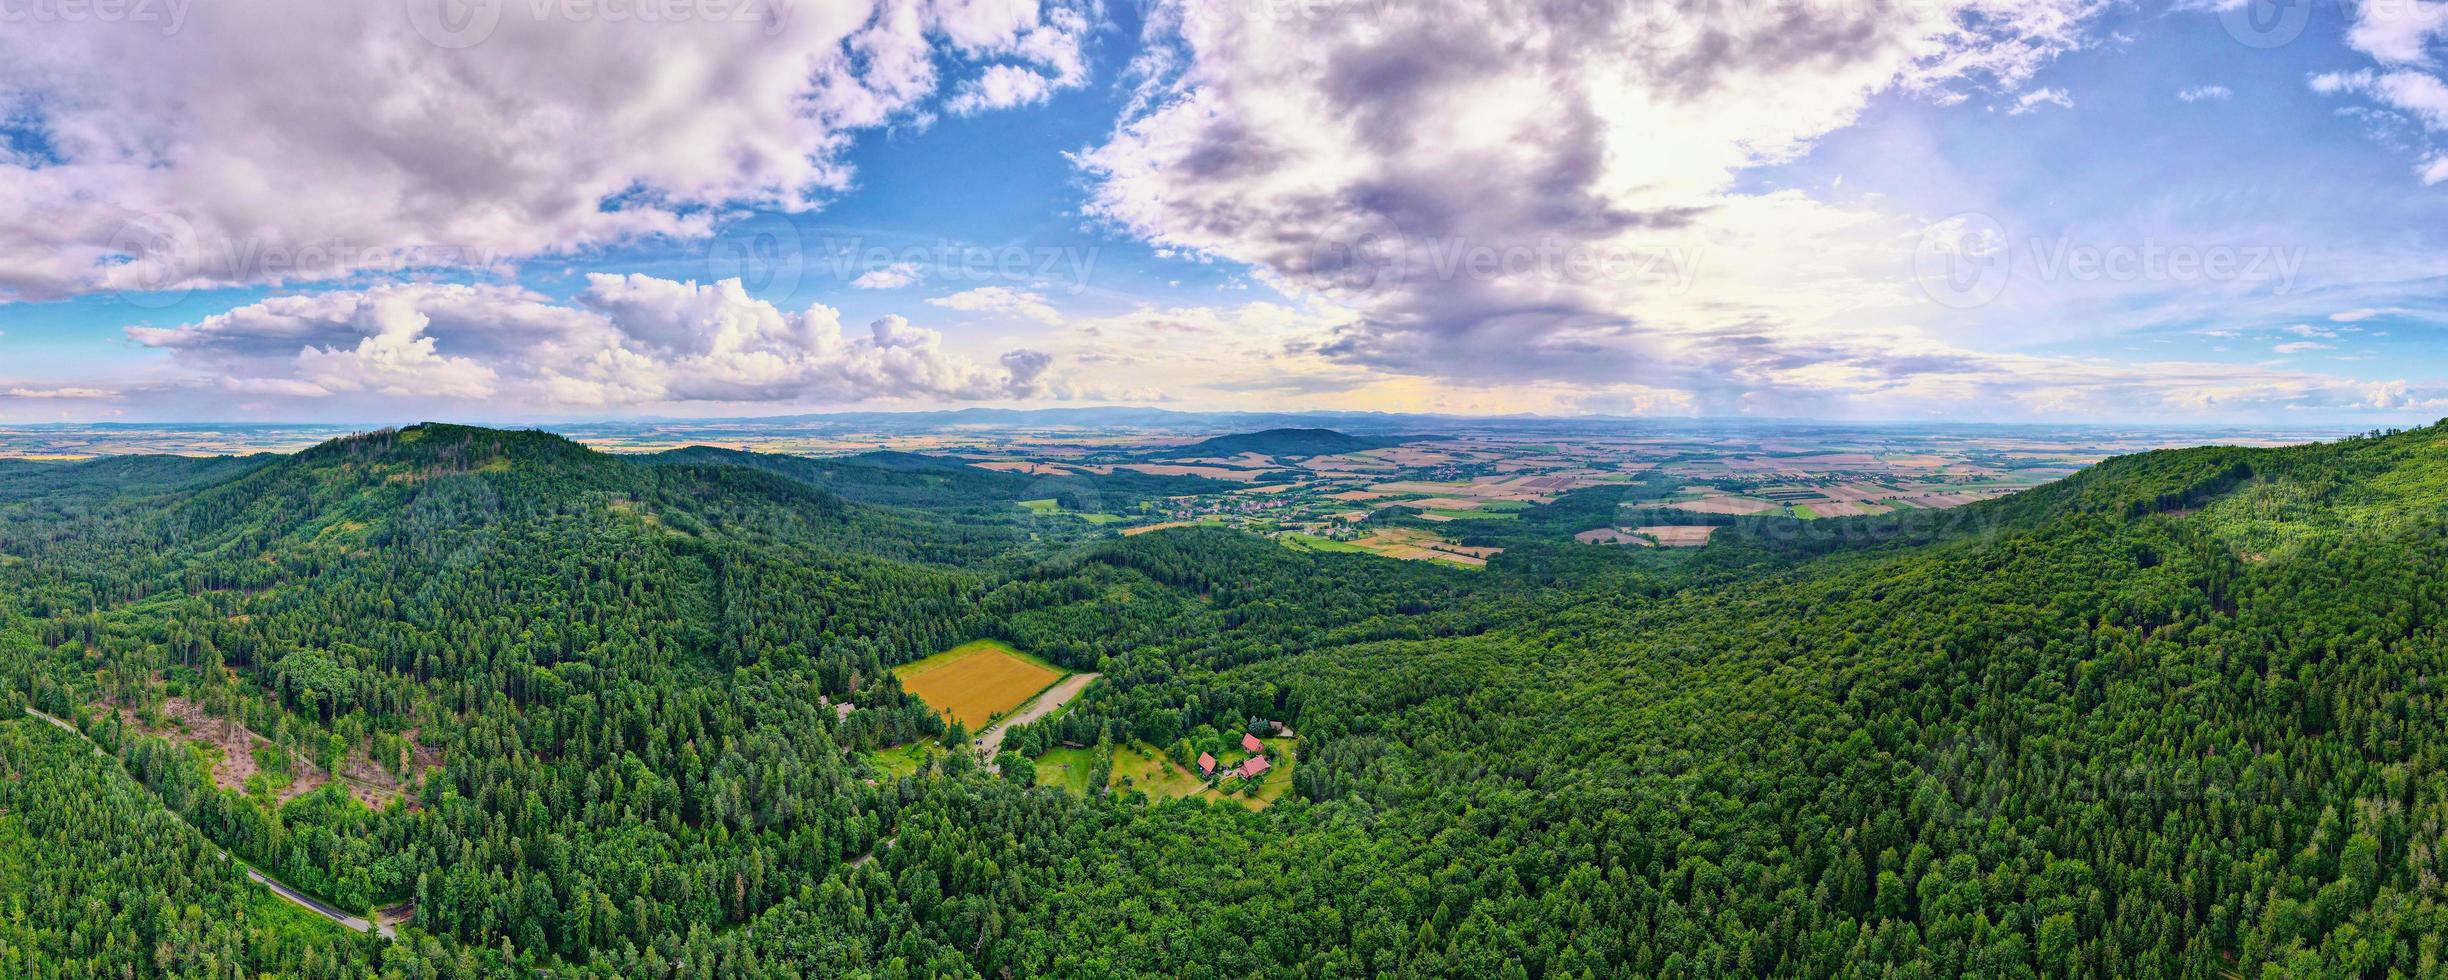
(2205, 211)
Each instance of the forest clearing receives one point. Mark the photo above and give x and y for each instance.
(977, 682)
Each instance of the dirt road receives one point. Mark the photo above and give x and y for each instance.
(293, 896)
(990, 741)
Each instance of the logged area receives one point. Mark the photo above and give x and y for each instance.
(977, 682)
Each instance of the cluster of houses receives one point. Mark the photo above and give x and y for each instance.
(1250, 768)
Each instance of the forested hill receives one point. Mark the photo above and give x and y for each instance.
(921, 481)
(2177, 716)
(1282, 442)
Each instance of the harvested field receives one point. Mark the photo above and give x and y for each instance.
(1145, 528)
(1859, 492)
(1612, 535)
(1725, 504)
(1438, 503)
(1677, 536)
(1350, 463)
(1210, 472)
(1847, 508)
(1410, 544)
(975, 683)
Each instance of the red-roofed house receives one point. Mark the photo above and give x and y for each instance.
(1252, 743)
(1254, 767)
(1206, 764)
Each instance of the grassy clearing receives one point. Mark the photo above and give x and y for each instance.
(1051, 507)
(904, 760)
(1310, 542)
(1143, 767)
(977, 682)
(1067, 768)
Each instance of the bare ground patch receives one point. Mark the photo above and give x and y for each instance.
(234, 747)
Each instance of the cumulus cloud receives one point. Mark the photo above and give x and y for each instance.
(893, 276)
(624, 340)
(1531, 190)
(1001, 301)
(405, 142)
(2205, 93)
(2398, 31)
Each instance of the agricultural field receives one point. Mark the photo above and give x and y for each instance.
(976, 683)
(1679, 536)
(1407, 544)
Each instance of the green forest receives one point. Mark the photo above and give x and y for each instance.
(565, 713)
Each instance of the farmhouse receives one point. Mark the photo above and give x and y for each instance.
(1251, 743)
(1206, 764)
(1254, 767)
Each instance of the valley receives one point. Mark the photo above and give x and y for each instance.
(603, 713)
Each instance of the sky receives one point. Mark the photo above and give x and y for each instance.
(528, 210)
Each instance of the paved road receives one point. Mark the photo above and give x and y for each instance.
(294, 896)
(990, 741)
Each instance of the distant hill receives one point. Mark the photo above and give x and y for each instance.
(899, 479)
(1285, 442)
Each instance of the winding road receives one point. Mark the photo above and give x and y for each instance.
(990, 741)
(294, 897)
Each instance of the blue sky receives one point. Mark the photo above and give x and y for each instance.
(1674, 207)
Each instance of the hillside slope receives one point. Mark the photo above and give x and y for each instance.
(2178, 716)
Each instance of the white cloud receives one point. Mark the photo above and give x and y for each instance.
(893, 276)
(2397, 31)
(2360, 315)
(58, 392)
(624, 340)
(1000, 301)
(1514, 192)
(2301, 346)
(1002, 87)
(178, 165)
(2040, 98)
(2397, 34)
(2205, 93)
